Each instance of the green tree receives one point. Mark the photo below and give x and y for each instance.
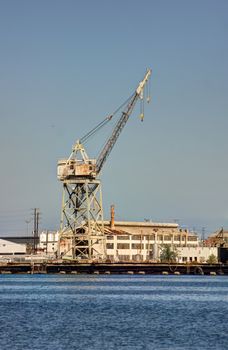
(168, 253)
(212, 259)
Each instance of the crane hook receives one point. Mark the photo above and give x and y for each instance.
(142, 107)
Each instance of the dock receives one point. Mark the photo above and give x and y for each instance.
(114, 268)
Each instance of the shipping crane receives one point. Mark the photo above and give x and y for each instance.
(81, 233)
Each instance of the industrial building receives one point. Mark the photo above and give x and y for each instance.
(48, 242)
(218, 238)
(141, 241)
(136, 241)
(197, 254)
(8, 247)
(125, 241)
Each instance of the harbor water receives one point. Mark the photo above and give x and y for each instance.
(55, 312)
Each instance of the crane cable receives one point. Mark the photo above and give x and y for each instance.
(104, 122)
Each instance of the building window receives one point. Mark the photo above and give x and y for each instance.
(167, 238)
(123, 237)
(123, 245)
(136, 237)
(151, 238)
(110, 237)
(137, 246)
(137, 257)
(177, 237)
(149, 246)
(192, 238)
(110, 245)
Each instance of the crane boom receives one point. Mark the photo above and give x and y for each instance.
(75, 167)
(121, 123)
(115, 134)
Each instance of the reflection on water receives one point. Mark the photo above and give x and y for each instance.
(113, 312)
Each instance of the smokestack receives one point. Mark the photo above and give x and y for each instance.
(112, 222)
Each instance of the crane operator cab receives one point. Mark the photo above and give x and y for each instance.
(70, 168)
(77, 165)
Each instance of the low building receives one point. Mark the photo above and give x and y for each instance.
(11, 248)
(196, 254)
(141, 241)
(49, 242)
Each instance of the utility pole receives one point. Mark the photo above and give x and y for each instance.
(36, 219)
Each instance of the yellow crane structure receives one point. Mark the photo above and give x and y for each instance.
(82, 210)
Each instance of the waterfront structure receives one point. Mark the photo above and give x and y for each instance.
(218, 238)
(132, 241)
(82, 209)
(197, 254)
(124, 241)
(11, 248)
(142, 241)
(48, 242)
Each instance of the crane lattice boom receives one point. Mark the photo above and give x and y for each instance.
(79, 164)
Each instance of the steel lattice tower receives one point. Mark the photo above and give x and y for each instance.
(82, 216)
(82, 226)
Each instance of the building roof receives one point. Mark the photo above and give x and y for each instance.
(219, 233)
(20, 240)
(142, 224)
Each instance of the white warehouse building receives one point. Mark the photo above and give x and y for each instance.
(11, 248)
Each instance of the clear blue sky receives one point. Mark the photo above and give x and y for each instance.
(65, 65)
